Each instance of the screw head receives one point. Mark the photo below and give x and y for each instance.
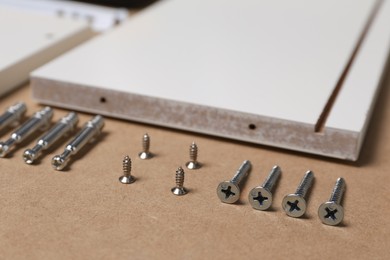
(179, 191)
(145, 155)
(126, 179)
(294, 205)
(228, 192)
(260, 198)
(193, 165)
(331, 213)
(58, 162)
(3, 149)
(29, 156)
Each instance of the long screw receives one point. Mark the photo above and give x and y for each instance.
(145, 154)
(331, 212)
(126, 178)
(40, 120)
(193, 164)
(179, 188)
(64, 126)
(260, 197)
(12, 114)
(229, 191)
(90, 131)
(295, 204)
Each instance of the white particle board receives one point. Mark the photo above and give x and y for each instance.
(221, 67)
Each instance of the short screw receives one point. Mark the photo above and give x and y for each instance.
(193, 164)
(229, 191)
(64, 126)
(12, 115)
(40, 120)
(127, 178)
(145, 154)
(260, 197)
(90, 131)
(295, 204)
(331, 212)
(179, 188)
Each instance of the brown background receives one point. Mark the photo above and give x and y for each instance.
(85, 212)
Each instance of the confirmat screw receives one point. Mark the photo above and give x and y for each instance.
(295, 204)
(90, 131)
(331, 212)
(126, 178)
(61, 128)
(145, 154)
(229, 191)
(179, 188)
(193, 164)
(12, 115)
(260, 197)
(40, 120)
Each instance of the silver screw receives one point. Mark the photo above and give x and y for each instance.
(295, 204)
(126, 178)
(331, 212)
(12, 115)
(260, 197)
(145, 154)
(40, 120)
(179, 188)
(90, 131)
(229, 191)
(193, 164)
(64, 126)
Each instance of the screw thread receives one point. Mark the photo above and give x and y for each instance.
(127, 166)
(241, 172)
(338, 191)
(146, 143)
(272, 178)
(193, 152)
(305, 184)
(179, 177)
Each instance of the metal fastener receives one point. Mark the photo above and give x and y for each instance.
(295, 204)
(193, 164)
(179, 188)
(145, 154)
(260, 197)
(331, 212)
(61, 128)
(40, 120)
(12, 115)
(126, 178)
(90, 131)
(229, 191)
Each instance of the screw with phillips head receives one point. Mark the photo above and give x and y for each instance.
(331, 212)
(179, 188)
(64, 126)
(12, 115)
(260, 197)
(295, 204)
(229, 191)
(90, 131)
(145, 154)
(193, 164)
(40, 120)
(126, 178)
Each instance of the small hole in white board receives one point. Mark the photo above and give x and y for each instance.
(252, 126)
(103, 100)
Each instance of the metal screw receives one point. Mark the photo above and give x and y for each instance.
(331, 212)
(12, 115)
(295, 204)
(40, 120)
(64, 126)
(91, 130)
(260, 197)
(193, 164)
(179, 188)
(145, 154)
(229, 191)
(127, 178)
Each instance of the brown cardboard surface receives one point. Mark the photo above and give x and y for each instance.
(86, 213)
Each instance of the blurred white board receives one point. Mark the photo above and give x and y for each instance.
(268, 72)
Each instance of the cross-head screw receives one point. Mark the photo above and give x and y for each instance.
(193, 164)
(126, 178)
(179, 189)
(12, 115)
(229, 191)
(260, 197)
(331, 212)
(295, 204)
(145, 154)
